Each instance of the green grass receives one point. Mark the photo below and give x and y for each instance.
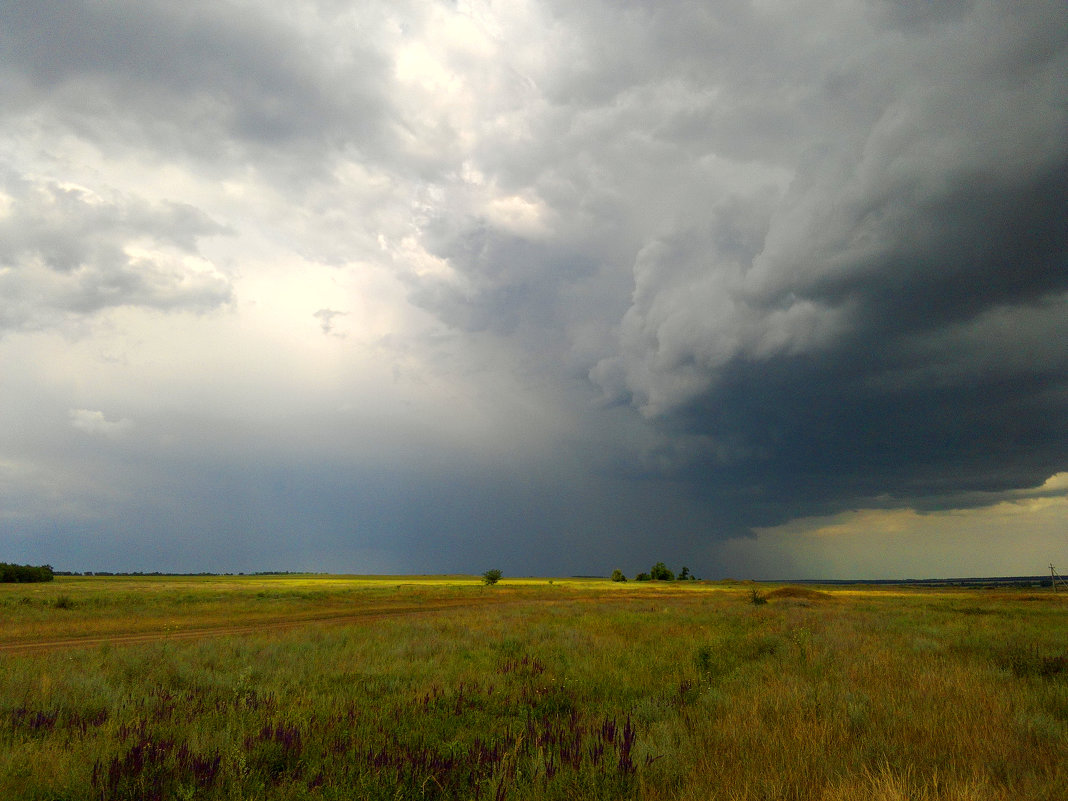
(532, 690)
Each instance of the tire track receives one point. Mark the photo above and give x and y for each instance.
(257, 627)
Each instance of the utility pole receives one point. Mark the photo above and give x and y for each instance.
(1054, 578)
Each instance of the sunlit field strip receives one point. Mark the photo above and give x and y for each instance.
(101, 606)
(94, 607)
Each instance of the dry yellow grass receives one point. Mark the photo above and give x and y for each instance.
(890, 694)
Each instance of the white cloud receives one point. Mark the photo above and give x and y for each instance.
(69, 251)
(93, 421)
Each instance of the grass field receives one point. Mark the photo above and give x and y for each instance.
(386, 688)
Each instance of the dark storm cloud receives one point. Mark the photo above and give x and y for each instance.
(831, 359)
(876, 331)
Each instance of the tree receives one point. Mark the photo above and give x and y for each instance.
(642, 577)
(617, 575)
(25, 573)
(491, 577)
(684, 574)
(660, 572)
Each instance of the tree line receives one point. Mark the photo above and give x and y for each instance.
(25, 573)
(658, 572)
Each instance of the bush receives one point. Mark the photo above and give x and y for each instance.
(491, 577)
(642, 577)
(617, 575)
(756, 598)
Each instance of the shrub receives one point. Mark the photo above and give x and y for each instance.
(755, 598)
(617, 575)
(491, 577)
(642, 577)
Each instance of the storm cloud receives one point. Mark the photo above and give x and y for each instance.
(603, 284)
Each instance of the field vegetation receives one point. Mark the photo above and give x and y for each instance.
(442, 688)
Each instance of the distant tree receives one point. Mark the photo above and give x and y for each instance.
(25, 573)
(642, 577)
(617, 575)
(491, 577)
(684, 574)
(660, 572)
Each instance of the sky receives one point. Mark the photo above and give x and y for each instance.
(767, 289)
